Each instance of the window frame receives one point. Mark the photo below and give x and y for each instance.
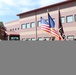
(40, 40)
(33, 40)
(67, 19)
(10, 29)
(53, 38)
(27, 26)
(18, 28)
(28, 39)
(45, 38)
(64, 19)
(38, 24)
(75, 17)
(47, 20)
(32, 25)
(70, 36)
(15, 29)
(22, 26)
(23, 39)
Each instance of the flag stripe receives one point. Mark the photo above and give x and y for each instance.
(45, 27)
(55, 31)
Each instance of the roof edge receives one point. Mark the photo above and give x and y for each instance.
(46, 7)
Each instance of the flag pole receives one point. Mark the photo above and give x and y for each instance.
(48, 20)
(59, 21)
(60, 27)
(42, 31)
(36, 25)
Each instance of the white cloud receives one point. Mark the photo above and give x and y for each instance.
(5, 10)
(8, 2)
(24, 2)
(48, 2)
(24, 5)
(30, 4)
(17, 5)
(13, 7)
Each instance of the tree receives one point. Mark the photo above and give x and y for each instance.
(2, 30)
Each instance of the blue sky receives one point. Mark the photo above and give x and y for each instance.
(9, 8)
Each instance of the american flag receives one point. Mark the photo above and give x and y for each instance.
(45, 26)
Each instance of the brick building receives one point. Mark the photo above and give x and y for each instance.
(28, 24)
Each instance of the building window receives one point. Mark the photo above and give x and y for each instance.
(15, 28)
(27, 25)
(39, 23)
(70, 37)
(75, 17)
(29, 39)
(62, 20)
(23, 26)
(16, 38)
(46, 38)
(32, 25)
(18, 28)
(52, 38)
(69, 19)
(46, 20)
(10, 29)
(23, 39)
(40, 39)
(33, 39)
